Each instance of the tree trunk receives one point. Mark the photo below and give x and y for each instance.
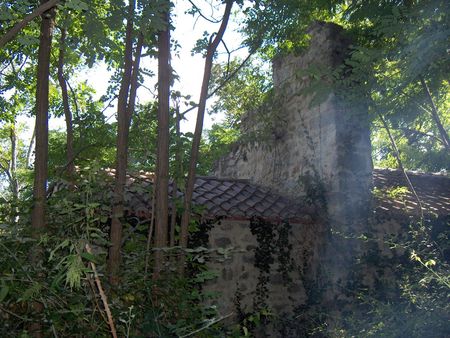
(30, 147)
(42, 102)
(70, 154)
(162, 156)
(198, 131)
(13, 174)
(178, 175)
(134, 77)
(114, 257)
(435, 115)
(13, 163)
(38, 223)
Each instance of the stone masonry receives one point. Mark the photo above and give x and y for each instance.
(322, 145)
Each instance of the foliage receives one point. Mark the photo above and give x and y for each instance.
(410, 284)
(245, 92)
(63, 281)
(397, 47)
(394, 47)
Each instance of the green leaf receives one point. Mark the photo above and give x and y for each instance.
(77, 5)
(31, 292)
(4, 292)
(88, 256)
(27, 40)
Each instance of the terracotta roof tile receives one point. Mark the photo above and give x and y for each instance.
(234, 198)
(241, 199)
(433, 191)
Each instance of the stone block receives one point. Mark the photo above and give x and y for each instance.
(223, 242)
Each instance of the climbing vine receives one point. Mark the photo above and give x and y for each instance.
(286, 263)
(273, 243)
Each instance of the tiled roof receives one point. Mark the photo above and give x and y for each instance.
(433, 191)
(241, 199)
(214, 197)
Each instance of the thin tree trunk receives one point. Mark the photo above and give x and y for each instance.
(38, 222)
(198, 131)
(74, 99)
(13, 174)
(114, 257)
(44, 7)
(173, 215)
(177, 176)
(30, 147)
(400, 165)
(162, 156)
(65, 98)
(150, 234)
(134, 77)
(42, 102)
(13, 164)
(435, 115)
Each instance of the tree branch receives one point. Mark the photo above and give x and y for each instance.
(184, 233)
(30, 17)
(400, 164)
(102, 295)
(202, 15)
(211, 322)
(418, 132)
(6, 169)
(435, 114)
(219, 87)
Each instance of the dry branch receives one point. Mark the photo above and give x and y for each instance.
(102, 295)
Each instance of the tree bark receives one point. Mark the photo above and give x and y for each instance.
(162, 156)
(13, 174)
(134, 77)
(178, 175)
(42, 102)
(38, 222)
(114, 257)
(70, 154)
(198, 130)
(44, 7)
(30, 146)
(13, 164)
(435, 115)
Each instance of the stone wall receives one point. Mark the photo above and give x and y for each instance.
(239, 275)
(309, 145)
(318, 289)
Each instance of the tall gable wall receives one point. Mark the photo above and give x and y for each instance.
(309, 145)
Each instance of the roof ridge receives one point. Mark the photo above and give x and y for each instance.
(225, 179)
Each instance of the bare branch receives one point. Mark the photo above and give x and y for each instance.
(109, 104)
(228, 58)
(102, 295)
(211, 322)
(418, 132)
(219, 87)
(435, 115)
(400, 164)
(74, 98)
(202, 15)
